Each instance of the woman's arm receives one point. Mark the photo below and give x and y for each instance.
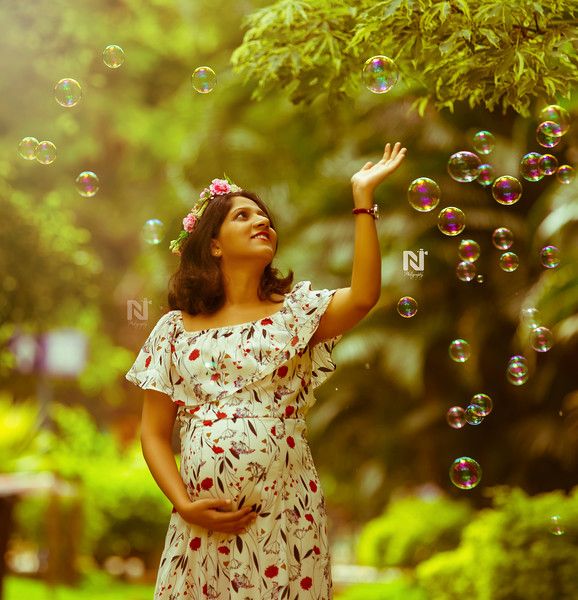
(158, 418)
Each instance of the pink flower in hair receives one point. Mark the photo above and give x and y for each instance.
(220, 186)
(189, 222)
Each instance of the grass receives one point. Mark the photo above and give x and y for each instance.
(96, 586)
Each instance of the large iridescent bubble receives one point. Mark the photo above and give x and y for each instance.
(465, 473)
(556, 114)
(27, 148)
(506, 190)
(469, 250)
(509, 262)
(380, 74)
(423, 194)
(530, 166)
(550, 257)
(502, 238)
(481, 404)
(464, 166)
(548, 164)
(204, 80)
(484, 142)
(451, 221)
(456, 417)
(407, 307)
(541, 339)
(548, 134)
(459, 350)
(565, 174)
(67, 92)
(472, 417)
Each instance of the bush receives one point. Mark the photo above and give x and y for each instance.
(510, 553)
(400, 589)
(411, 530)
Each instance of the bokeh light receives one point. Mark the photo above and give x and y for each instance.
(465, 473)
(506, 190)
(423, 194)
(451, 221)
(67, 92)
(464, 166)
(407, 307)
(556, 525)
(204, 80)
(380, 74)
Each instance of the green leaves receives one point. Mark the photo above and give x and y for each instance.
(498, 50)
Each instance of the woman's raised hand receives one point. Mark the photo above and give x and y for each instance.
(209, 514)
(371, 175)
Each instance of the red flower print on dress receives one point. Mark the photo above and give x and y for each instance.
(148, 361)
(195, 543)
(313, 486)
(290, 442)
(207, 483)
(223, 550)
(221, 415)
(215, 376)
(282, 371)
(306, 583)
(205, 589)
(294, 340)
(271, 571)
(194, 354)
(217, 450)
(179, 402)
(266, 321)
(273, 430)
(289, 411)
(309, 517)
(316, 549)
(207, 422)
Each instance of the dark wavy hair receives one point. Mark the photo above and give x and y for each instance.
(197, 286)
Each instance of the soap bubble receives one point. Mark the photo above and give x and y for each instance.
(485, 175)
(548, 164)
(502, 238)
(67, 92)
(204, 80)
(45, 152)
(380, 74)
(550, 256)
(27, 148)
(153, 231)
(480, 278)
(113, 56)
(472, 417)
(530, 166)
(556, 114)
(87, 184)
(517, 370)
(464, 166)
(469, 250)
(459, 350)
(530, 316)
(466, 270)
(509, 262)
(423, 194)
(407, 307)
(451, 221)
(565, 174)
(506, 190)
(520, 380)
(484, 142)
(556, 525)
(541, 339)
(456, 417)
(548, 134)
(465, 473)
(481, 404)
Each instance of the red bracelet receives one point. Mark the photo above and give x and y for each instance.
(369, 211)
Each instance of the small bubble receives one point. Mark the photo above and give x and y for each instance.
(465, 271)
(204, 80)
(480, 278)
(509, 262)
(464, 166)
(407, 307)
(27, 148)
(530, 166)
(548, 164)
(459, 350)
(548, 134)
(502, 238)
(67, 92)
(506, 190)
(550, 257)
(465, 473)
(472, 417)
(556, 525)
(531, 317)
(556, 114)
(113, 56)
(451, 221)
(469, 250)
(484, 142)
(45, 152)
(565, 174)
(486, 175)
(380, 74)
(153, 231)
(423, 194)
(481, 404)
(456, 417)
(87, 184)
(541, 339)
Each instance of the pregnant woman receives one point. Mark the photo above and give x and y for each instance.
(234, 363)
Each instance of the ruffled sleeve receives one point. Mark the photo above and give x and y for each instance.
(152, 367)
(306, 307)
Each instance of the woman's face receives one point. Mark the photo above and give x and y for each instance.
(245, 233)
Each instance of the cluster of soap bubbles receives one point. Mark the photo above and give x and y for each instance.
(469, 252)
(465, 473)
(480, 406)
(503, 239)
(29, 148)
(553, 124)
(407, 307)
(380, 74)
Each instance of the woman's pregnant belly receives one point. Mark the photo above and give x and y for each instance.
(245, 460)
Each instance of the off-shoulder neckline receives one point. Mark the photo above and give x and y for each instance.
(282, 310)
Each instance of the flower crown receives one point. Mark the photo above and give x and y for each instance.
(218, 187)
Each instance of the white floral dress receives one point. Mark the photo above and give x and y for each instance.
(243, 392)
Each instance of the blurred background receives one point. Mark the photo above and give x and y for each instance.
(84, 266)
